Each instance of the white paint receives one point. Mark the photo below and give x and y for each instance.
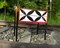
(33, 15)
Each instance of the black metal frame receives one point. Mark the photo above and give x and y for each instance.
(45, 30)
(16, 27)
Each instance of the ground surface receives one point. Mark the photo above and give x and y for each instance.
(24, 37)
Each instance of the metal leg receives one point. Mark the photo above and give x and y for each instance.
(45, 31)
(31, 38)
(14, 28)
(17, 26)
(45, 34)
(31, 34)
(16, 33)
(37, 28)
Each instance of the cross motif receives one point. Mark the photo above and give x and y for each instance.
(27, 15)
(30, 12)
(40, 16)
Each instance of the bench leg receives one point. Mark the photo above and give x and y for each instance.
(45, 34)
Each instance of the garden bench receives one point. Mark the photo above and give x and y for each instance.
(30, 16)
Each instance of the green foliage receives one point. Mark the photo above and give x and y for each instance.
(2, 4)
(55, 9)
(33, 4)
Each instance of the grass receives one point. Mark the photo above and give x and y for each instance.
(7, 18)
(54, 21)
(1, 17)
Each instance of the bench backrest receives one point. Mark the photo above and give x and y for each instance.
(29, 16)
